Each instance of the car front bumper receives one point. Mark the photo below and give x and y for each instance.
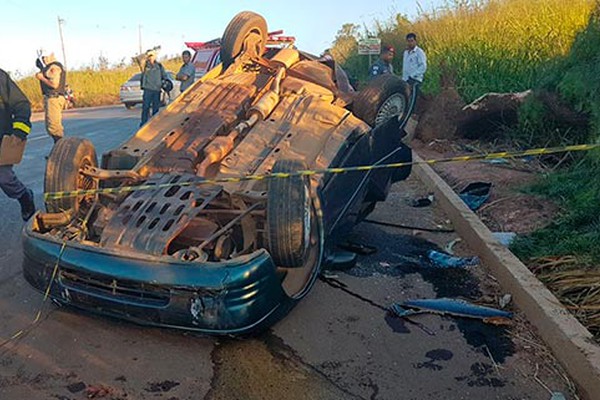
(237, 297)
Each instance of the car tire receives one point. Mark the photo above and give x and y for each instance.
(236, 33)
(383, 98)
(66, 159)
(289, 213)
(129, 106)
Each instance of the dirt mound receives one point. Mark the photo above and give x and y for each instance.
(439, 114)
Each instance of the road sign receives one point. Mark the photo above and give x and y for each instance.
(369, 46)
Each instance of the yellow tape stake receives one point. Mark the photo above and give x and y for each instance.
(360, 168)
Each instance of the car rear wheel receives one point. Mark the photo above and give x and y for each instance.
(63, 174)
(247, 32)
(289, 215)
(129, 106)
(383, 98)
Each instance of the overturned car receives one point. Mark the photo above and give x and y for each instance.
(170, 231)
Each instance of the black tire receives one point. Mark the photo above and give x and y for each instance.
(62, 173)
(129, 106)
(232, 42)
(371, 102)
(289, 214)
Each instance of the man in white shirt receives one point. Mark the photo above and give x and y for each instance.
(414, 66)
(414, 63)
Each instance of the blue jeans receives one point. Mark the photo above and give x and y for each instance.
(9, 183)
(151, 98)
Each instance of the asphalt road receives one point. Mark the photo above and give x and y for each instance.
(336, 344)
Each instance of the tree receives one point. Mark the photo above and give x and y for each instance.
(345, 43)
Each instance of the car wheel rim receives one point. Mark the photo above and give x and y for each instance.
(391, 107)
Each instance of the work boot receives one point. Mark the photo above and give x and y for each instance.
(27, 205)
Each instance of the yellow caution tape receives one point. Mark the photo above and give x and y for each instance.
(361, 168)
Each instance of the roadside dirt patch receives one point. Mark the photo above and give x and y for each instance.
(508, 208)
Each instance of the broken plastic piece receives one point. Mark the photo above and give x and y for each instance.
(446, 306)
(475, 194)
(358, 248)
(443, 260)
(505, 238)
(558, 396)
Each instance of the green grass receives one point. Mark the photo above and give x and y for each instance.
(576, 231)
(91, 87)
(496, 45)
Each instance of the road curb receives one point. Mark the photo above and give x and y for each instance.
(569, 340)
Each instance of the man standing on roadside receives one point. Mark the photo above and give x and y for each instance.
(384, 64)
(187, 72)
(15, 125)
(414, 63)
(152, 77)
(53, 79)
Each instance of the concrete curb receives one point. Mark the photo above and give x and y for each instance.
(571, 342)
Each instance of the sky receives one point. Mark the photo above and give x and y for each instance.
(111, 28)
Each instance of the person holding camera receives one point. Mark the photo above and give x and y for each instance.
(153, 75)
(15, 125)
(53, 78)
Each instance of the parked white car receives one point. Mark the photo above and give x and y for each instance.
(131, 92)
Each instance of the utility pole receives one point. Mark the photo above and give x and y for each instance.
(140, 37)
(62, 41)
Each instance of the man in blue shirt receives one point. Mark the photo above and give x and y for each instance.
(187, 72)
(384, 64)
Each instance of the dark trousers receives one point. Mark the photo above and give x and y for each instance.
(151, 98)
(9, 183)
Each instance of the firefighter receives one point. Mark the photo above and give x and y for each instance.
(53, 78)
(15, 125)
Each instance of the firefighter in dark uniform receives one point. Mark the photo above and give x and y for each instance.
(15, 113)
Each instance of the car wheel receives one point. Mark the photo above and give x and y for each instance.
(289, 215)
(383, 98)
(247, 32)
(129, 106)
(63, 174)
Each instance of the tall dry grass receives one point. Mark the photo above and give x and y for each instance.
(90, 87)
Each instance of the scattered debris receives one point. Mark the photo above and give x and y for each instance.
(163, 386)
(505, 238)
(450, 245)
(557, 396)
(505, 300)
(457, 308)
(496, 161)
(96, 392)
(76, 387)
(385, 264)
(475, 194)
(359, 248)
(423, 201)
(443, 260)
(440, 229)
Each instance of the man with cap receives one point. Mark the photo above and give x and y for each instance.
(384, 64)
(15, 125)
(53, 78)
(152, 77)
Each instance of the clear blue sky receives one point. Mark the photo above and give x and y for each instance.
(110, 27)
